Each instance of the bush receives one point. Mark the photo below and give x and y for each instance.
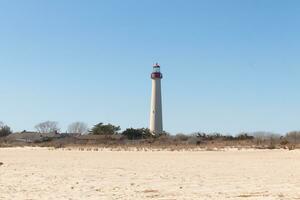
(272, 146)
(291, 147)
(136, 134)
(105, 129)
(244, 136)
(181, 137)
(284, 142)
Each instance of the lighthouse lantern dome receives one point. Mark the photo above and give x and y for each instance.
(156, 74)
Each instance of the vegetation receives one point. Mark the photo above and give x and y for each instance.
(4, 130)
(219, 136)
(137, 134)
(105, 129)
(109, 135)
(78, 128)
(47, 127)
(293, 137)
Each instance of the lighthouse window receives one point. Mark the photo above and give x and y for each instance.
(156, 69)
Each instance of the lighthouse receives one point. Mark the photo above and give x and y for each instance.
(156, 120)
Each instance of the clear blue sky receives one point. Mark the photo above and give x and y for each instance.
(229, 66)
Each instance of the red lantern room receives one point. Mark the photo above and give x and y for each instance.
(156, 74)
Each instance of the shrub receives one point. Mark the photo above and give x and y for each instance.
(284, 142)
(181, 137)
(291, 147)
(272, 146)
(136, 134)
(244, 136)
(193, 140)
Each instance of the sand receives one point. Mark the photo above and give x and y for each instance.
(40, 173)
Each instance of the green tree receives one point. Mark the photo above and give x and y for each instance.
(105, 129)
(137, 134)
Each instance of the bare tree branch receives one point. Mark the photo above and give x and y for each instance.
(47, 127)
(78, 128)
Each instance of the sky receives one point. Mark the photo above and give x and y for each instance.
(229, 66)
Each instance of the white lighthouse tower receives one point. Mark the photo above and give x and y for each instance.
(156, 120)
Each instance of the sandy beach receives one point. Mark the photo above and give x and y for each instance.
(41, 173)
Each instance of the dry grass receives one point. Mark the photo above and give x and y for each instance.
(171, 143)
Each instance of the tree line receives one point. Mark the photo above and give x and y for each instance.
(81, 128)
